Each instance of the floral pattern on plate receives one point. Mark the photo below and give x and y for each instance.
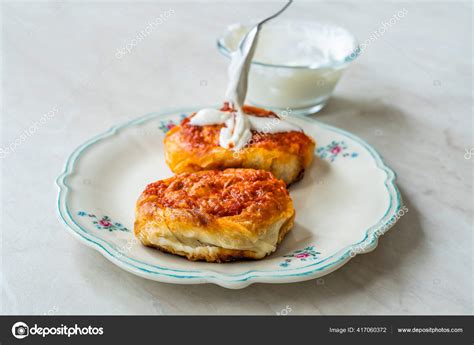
(335, 149)
(305, 254)
(90, 161)
(104, 223)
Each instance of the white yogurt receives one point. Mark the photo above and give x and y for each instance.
(296, 64)
(238, 126)
(237, 131)
(296, 44)
(209, 116)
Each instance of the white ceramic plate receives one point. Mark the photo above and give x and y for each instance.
(347, 198)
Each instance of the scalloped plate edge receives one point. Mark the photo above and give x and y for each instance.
(368, 243)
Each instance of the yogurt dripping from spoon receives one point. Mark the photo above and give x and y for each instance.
(238, 125)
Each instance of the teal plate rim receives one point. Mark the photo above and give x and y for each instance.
(280, 275)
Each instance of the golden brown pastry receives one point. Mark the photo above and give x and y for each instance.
(215, 216)
(191, 148)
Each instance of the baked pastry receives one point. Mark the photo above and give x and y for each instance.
(190, 148)
(216, 216)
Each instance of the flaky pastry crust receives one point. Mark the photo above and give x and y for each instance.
(191, 148)
(215, 216)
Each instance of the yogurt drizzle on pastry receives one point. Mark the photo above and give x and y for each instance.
(209, 116)
(237, 131)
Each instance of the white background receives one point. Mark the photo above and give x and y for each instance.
(409, 95)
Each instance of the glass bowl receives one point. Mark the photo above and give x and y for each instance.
(296, 65)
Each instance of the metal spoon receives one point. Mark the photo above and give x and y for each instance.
(241, 60)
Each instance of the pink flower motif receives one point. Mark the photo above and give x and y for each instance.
(105, 223)
(170, 125)
(301, 255)
(335, 150)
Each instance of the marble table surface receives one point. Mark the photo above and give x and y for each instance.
(409, 95)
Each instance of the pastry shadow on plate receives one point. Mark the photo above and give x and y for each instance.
(313, 176)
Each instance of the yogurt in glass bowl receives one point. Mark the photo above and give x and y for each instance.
(296, 65)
